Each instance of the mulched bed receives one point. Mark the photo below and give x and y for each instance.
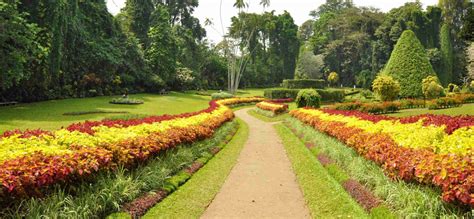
(361, 194)
(140, 206)
(324, 160)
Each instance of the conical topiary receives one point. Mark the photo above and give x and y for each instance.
(409, 65)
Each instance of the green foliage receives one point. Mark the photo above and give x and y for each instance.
(18, 45)
(138, 16)
(303, 83)
(333, 78)
(221, 95)
(432, 88)
(270, 44)
(331, 95)
(309, 66)
(446, 76)
(386, 87)
(162, 53)
(409, 65)
(308, 98)
(281, 93)
(453, 88)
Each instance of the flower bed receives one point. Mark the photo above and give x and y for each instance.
(275, 108)
(409, 149)
(31, 161)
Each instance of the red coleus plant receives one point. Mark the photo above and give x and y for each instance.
(454, 174)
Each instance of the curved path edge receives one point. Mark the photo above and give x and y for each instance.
(262, 184)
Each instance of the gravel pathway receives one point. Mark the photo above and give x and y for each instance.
(262, 183)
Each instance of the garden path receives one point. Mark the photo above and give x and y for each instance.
(262, 184)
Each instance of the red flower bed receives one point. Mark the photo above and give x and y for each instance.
(26, 134)
(452, 123)
(454, 174)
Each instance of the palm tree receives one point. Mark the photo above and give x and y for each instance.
(265, 3)
(240, 4)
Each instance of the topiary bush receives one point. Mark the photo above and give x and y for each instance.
(308, 98)
(386, 88)
(303, 83)
(409, 65)
(452, 88)
(221, 95)
(333, 78)
(432, 88)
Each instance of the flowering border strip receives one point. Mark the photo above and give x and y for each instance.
(275, 108)
(141, 205)
(30, 175)
(359, 192)
(452, 173)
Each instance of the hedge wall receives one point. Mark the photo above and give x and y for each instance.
(326, 95)
(303, 83)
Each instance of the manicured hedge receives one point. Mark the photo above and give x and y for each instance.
(281, 93)
(303, 83)
(326, 95)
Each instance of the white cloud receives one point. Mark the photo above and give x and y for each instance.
(299, 10)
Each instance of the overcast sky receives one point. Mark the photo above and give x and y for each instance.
(299, 10)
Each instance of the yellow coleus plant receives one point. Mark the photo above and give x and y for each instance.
(411, 135)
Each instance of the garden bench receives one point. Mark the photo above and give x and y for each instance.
(8, 103)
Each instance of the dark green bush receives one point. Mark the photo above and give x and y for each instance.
(303, 83)
(331, 95)
(308, 98)
(221, 95)
(281, 93)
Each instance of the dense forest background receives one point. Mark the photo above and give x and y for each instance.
(75, 48)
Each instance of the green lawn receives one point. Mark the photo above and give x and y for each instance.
(463, 110)
(49, 114)
(324, 196)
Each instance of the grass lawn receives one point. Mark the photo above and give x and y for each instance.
(464, 109)
(323, 194)
(192, 199)
(48, 115)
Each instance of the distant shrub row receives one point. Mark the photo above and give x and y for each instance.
(303, 83)
(326, 95)
(221, 95)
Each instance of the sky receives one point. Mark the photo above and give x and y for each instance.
(299, 10)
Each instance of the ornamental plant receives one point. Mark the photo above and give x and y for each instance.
(386, 87)
(308, 98)
(453, 88)
(432, 88)
(409, 64)
(333, 78)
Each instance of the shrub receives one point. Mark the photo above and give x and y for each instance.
(386, 87)
(331, 95)
(411, 103)
(443, 103)
(126, 101)
(452, 88)
(281, 93)
(409, 64)
(333, 78)
(471, 87)
(432, 88)
(303, 83)
(308, 98)
(221, 95)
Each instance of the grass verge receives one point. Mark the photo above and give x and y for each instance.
(107, 191)
(324, 196)
(192, 199)
(257, 113)
(405, 199)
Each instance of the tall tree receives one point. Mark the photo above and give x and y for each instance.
(139, 14)
(446, 75)
(162, 52)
